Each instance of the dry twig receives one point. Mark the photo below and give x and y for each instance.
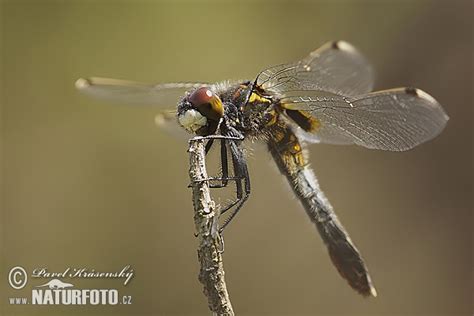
(206, 216)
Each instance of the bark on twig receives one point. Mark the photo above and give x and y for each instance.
(211, 273)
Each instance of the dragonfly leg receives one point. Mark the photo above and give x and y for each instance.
(219, 184)
(224, 163)
(243, 191)
(225, 137)
(224, 179)
(241, 175)
(224, 167)
(208, 145)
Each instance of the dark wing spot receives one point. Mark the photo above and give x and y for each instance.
(304, 120)
(335, 45)
(411, 91)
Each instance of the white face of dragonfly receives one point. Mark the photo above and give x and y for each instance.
(192, 120)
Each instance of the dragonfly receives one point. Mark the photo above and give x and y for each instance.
(325, 97)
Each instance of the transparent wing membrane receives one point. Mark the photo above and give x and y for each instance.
(166, 121)
(130, 92)
(335, 67)
(395, 120)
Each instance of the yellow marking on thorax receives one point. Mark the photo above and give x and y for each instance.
(257, 98)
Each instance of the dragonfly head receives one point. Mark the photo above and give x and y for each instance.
(200, 111)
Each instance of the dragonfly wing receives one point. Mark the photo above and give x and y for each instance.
(336, 67)
(396, 120)
(130, 92)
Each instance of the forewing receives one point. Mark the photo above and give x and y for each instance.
(130, 92)
(336, 67)
(396, 120)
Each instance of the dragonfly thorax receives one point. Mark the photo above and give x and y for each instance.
(246, 109)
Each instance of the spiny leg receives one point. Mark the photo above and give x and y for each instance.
(224, 168)
(224, 159)
(241, 171)
(208, 145)
(196, 138)
(225, 177)
(224, 163)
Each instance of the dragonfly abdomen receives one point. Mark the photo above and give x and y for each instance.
(291, 161)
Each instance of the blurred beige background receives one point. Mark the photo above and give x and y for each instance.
(90, 184)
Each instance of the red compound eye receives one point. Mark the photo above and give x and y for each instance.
(207, 103)
(200, 96)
